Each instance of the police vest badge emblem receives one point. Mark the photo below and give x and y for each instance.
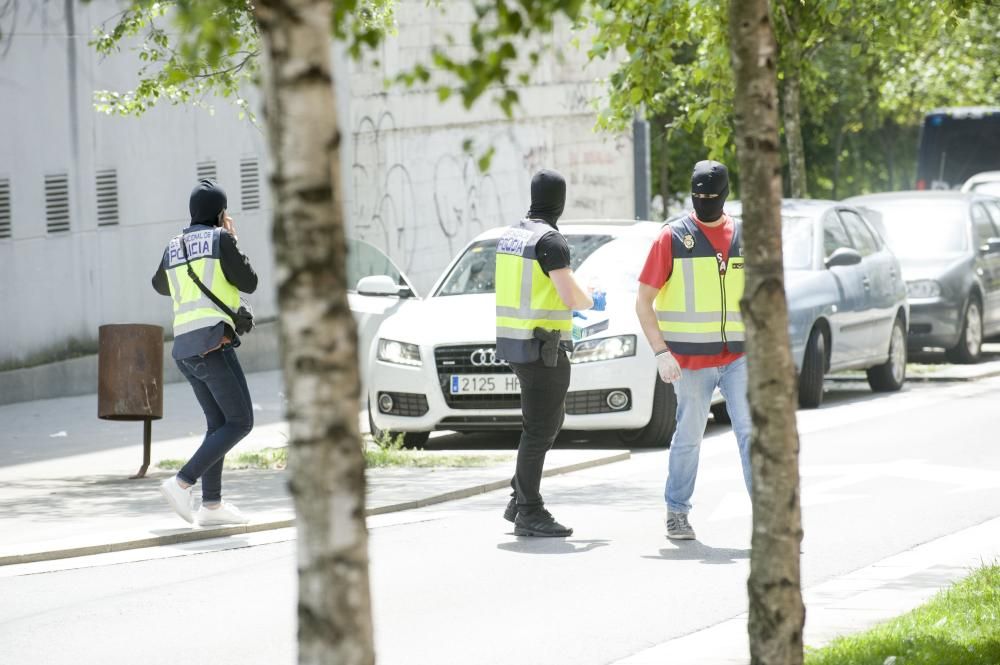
(688, 241)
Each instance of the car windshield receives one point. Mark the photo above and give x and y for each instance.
(797, 242)
(474, 271)
(989, 187)
(616, 265)
(922, 229)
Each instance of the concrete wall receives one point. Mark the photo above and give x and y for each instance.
(413, 191)
(58, 287)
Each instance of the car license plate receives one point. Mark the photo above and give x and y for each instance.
(484, 384)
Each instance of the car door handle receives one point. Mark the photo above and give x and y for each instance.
(867, 282)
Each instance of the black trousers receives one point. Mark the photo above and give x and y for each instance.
(543, 408)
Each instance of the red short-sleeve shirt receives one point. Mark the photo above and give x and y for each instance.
(657, 270)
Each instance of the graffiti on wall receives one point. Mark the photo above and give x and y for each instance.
(384, 204)
(419, 195)
(466, 201)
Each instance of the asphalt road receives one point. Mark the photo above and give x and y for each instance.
(452, 585)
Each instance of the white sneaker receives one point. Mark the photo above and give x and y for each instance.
(178, 497)
(227, 513)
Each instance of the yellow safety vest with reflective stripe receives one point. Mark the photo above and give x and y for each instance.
(526, 297)
(698, 309)
(192, 308)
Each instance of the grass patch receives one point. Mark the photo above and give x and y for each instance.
(959, 626)
(383, 452)
(918, 369)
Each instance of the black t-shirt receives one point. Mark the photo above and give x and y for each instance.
(552, 252)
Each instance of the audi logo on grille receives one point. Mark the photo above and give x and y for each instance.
(486, 358)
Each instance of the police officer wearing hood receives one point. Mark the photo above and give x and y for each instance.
(689, 306)
(536, 293)
(205, 346)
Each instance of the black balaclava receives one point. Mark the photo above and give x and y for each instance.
(207, 201)
(709, 189)
(548, 196)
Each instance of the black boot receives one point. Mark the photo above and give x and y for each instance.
(510, 513)
(539, 522)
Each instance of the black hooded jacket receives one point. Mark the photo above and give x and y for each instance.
(207, 202)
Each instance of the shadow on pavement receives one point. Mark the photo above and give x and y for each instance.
(524, 545)
(692, 550)
(113, 498)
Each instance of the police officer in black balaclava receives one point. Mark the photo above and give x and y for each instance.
(709, 189)
(204, 348)
(698, 346)
(536, 343)
(548, 196)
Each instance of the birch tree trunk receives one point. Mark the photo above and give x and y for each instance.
(776, 612)
(792, 111)
(318, 335)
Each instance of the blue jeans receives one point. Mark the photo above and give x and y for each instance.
(694, 401)
(221, 390)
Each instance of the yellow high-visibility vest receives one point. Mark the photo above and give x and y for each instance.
(698, 309)
(192, 308)
(526, 297)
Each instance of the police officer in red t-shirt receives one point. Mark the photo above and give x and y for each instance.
(688, 305)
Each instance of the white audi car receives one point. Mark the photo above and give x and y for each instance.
(433, 364)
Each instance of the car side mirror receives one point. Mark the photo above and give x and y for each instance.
(844, 256)
(379, 285)
(991, 246)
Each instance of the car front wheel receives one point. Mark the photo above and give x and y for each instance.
(970, 342)
(662, 421)
(890, 375)
(813, 369)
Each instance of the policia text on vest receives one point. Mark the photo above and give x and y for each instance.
(527, 299)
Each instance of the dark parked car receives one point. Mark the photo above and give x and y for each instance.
(846, 298)
(949, 246)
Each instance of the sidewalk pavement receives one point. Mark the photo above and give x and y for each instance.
(848, 604)
(44, 518)
(64, 487)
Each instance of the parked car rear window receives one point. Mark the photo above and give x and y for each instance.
(475, 271)
(921, 229)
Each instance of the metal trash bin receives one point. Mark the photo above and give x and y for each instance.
(130, 378)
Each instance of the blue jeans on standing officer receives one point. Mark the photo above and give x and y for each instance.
(694, 402)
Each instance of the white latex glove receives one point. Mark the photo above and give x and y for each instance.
(668, 368)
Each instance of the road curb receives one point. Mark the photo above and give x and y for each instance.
(923, 378)
(219, 532)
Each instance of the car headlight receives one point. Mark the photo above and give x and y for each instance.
(400, 353)
(607, 348)
(923, 288)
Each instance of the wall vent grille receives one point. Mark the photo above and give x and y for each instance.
(107, 197)
(5, 230)
(206, 170)
(250, 183)
(57, 203)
